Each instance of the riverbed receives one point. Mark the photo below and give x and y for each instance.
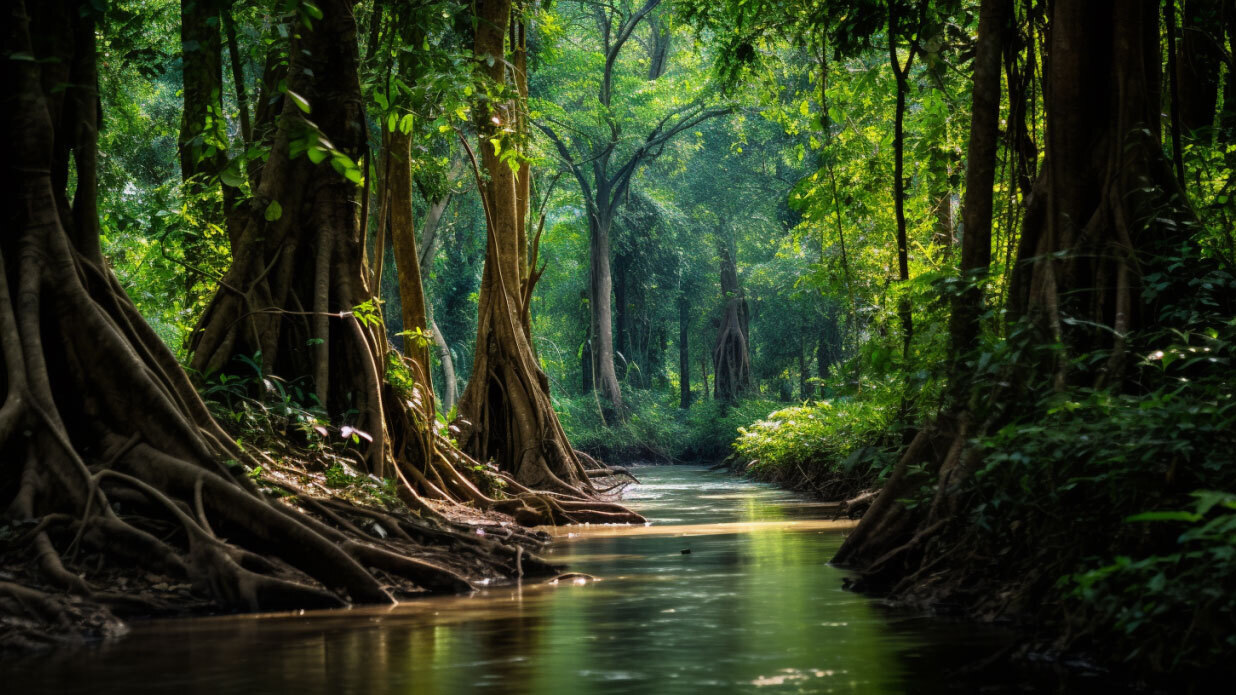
(726, 590)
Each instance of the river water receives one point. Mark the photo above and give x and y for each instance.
(753, 607)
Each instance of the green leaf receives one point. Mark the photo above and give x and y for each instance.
(300, 101)
(274, 211)
(405, 124)
(1164, 516)
(317, 154)
(231, 177)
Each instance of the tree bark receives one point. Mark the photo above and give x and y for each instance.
(427, 250)
(407, 259)
(659, 41)
(297, 274)
(1078, 279)
(731, 356)
(202, 142)
(505, 412)
(601, 288)
(97, 414)
(904, 309)
(994, 19)
(684, 353)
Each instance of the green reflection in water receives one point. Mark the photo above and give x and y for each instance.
(750, 609)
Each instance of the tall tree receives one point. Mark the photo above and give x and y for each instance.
(1090, 236)
(203, 131)
(731, 355)
(896, 25)
(603, 160)
(505, 410)
(298, 299)
(98, 416)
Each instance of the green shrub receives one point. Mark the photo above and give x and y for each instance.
(835, 447)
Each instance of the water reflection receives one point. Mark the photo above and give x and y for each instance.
(753, 607)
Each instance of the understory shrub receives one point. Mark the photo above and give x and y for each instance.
(835, 447)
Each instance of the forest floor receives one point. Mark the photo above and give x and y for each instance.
(481, 547)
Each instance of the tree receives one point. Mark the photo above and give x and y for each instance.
(731, 357)
(295, 294)
(603, 159)
(99, 417)
(505, 410)
(203, 131)
(1089, 241)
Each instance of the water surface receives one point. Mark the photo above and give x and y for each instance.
(753, 607)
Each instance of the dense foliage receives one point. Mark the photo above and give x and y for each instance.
(779, 187)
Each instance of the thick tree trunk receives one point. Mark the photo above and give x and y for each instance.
(297, 274)
(994, 18)
(506, 414)
(1078, 278)
(407, 259)
(295, 298)
(731, 356)
(105, 443)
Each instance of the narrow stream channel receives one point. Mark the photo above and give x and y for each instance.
(753, 607)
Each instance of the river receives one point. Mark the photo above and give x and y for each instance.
(752, 607)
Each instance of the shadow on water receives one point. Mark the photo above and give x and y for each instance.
(754, 607)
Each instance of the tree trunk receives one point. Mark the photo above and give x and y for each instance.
(684, 353)
(623, 338)
(97, 414)
(202, 141)
(994, 19)
(506, 414)
(1078, 278)
(427, 250)
(658, 44)
(601, 289)
(407, 259)
(805, 392)
(904, 310)
(297, 275)
(1199, 55)
(704, 377)
(731, 356)
(238, 75)
(587, 381)
(297, 298)
(1227, 115)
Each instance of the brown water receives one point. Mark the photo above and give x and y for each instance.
(754, 607)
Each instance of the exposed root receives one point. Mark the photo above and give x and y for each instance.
(112, 472)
